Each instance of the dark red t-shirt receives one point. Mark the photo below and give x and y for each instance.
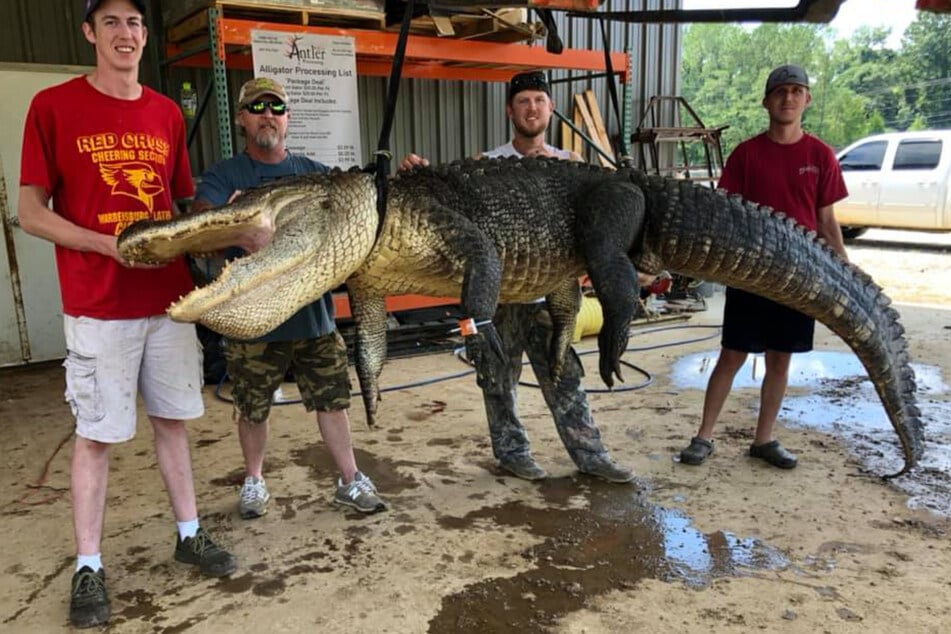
(797, 179)
(106, 163)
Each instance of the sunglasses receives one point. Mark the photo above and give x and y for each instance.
(277, 108)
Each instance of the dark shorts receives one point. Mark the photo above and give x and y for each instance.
(258, 368)
(755, 324)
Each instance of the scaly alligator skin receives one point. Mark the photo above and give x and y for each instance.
(511, 231)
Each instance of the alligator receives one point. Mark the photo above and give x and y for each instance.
(513, 230)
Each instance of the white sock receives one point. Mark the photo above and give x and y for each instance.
(92, 561)
(187, 529)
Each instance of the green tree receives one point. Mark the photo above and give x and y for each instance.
(926, 58)
(860, 86)
(725, 68)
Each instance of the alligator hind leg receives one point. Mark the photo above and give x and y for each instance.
(610, 217)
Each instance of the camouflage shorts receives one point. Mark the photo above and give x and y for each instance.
(258, 368)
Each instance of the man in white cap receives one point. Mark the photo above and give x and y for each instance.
(796, 173)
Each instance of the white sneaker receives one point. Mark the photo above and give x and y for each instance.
(254, 497)
(359, 494)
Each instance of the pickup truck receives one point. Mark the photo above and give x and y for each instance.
(899, 180)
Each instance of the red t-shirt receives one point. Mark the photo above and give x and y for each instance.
(106, 163)
(797, 179)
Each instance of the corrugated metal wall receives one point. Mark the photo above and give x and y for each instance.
(440, 119)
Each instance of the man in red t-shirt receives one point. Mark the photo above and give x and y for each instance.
(798, 174)
(108, 151)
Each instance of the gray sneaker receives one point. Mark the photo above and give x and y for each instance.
(254, 497)
(523, 466)
(359, 494)
(601, 466)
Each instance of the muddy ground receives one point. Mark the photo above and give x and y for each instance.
(732, 546)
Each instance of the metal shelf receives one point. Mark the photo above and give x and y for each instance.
(426, 57)
(229, 46)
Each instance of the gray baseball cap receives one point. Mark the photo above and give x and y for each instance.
(786, 74)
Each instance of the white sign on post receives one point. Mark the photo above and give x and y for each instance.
(319, 73)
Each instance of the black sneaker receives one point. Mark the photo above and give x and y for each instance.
(202, 551)
(88, 601)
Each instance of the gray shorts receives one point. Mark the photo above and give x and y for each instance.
(109, 362)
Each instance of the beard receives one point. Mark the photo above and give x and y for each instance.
(267, 138)
(530, 129)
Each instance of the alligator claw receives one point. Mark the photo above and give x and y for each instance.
(484, 351)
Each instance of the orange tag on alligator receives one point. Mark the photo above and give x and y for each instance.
(467, 327)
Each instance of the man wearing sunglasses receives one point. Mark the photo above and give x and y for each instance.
(307, 344)
(108, 151)
(528, 327)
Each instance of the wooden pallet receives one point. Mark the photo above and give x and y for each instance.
(587, 116)
(188, 22)
(487, 25)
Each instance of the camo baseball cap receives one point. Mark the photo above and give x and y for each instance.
(92, 5)
(254, 88)
(787, 74)
(534, 80)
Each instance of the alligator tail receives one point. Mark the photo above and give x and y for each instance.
(709, 235)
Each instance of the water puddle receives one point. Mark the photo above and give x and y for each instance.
(830, 392)
(611, 544)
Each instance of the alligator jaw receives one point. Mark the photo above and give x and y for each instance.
(250, 295)
(247, 220)
(312, 232)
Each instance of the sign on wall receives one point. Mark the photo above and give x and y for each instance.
(319, 74)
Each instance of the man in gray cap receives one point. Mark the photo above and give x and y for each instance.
(796, 173)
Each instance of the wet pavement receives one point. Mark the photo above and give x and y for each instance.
(611, 541)
(830, 392)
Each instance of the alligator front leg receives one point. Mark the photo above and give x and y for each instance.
(563, 305)
(369, 314)
(609, 219)
(426, 248)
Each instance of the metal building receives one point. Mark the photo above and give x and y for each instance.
(443, 120)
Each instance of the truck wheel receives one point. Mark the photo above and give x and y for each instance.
(850, 233)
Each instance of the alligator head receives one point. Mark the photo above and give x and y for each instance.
(297, 255)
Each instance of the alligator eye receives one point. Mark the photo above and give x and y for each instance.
(325, 204)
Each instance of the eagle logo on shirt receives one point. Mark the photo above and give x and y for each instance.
(136, 180)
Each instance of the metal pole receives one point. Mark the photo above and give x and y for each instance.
(587, 139)
(220, 79)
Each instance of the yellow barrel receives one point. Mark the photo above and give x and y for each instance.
(590, 318)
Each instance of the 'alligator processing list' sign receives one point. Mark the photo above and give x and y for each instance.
(319, 73)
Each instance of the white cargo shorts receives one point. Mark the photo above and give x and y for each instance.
(108, 362)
